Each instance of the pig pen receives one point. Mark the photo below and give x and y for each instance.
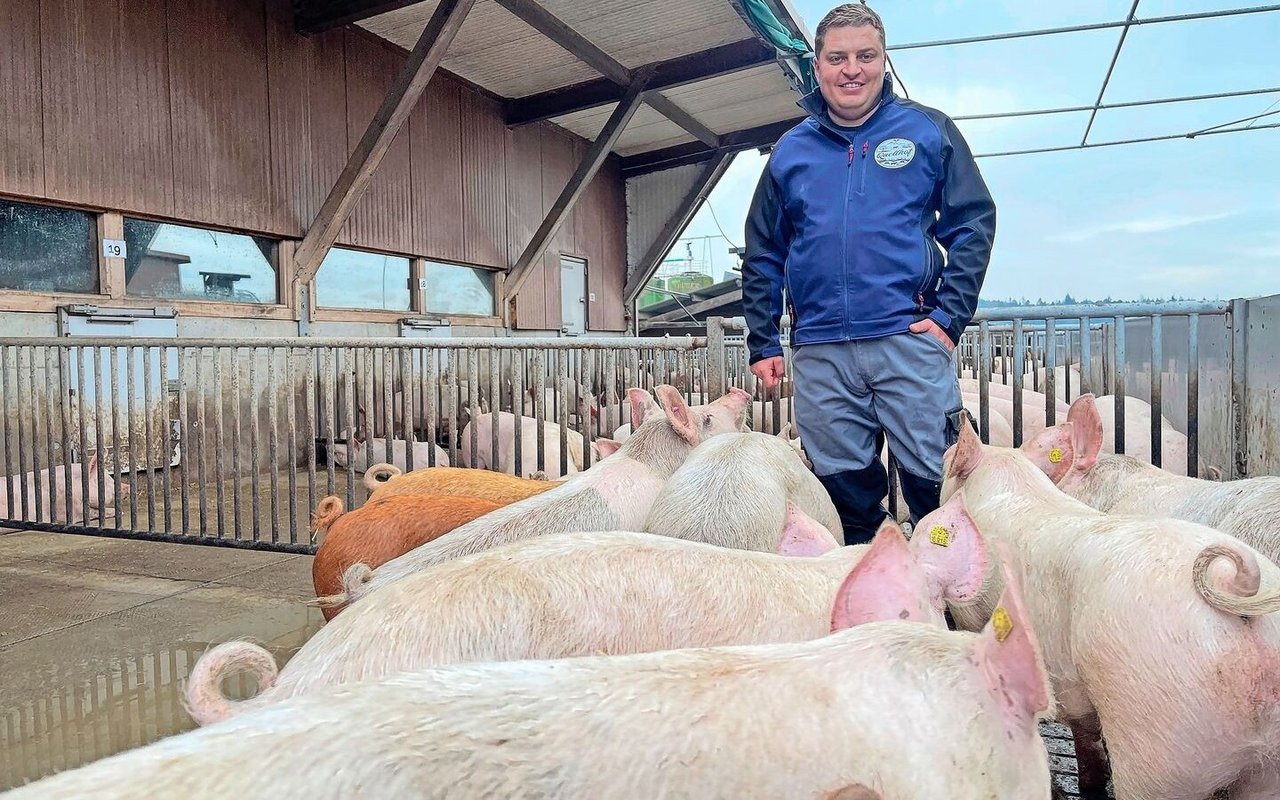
(231, 442)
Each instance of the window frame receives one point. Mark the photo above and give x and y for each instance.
(111, 226)
(344, 314)
(464, 319)
(111, 281)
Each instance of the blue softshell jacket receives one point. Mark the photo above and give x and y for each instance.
(850, 221)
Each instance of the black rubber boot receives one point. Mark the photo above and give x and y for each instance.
(857, 495)
(923, 495)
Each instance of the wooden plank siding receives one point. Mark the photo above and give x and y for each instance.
(221, 123)
(220, 115)
(437, 171)
(21, 101)
(381, 220)
(307, 92)
(107, 119)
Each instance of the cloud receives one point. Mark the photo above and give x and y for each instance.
(1187, 275)
(1154, 224)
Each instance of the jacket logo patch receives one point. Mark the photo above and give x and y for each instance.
(895, 153)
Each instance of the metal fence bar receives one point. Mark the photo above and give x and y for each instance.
(1240, 428)
(219, 441)
(8, 434)
(50, 398)
(82, 412)
(1118, 380)
(273, 439)
(291, 433)
(130, 354)
(64, 420)
(1157, 379)
(1193, 394)
(148, 441)
(1019, 370)
(984, 381)
(1051, 371)
(1086, 360)
(255, 391)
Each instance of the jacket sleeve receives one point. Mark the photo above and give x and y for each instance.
(967, 229)
(768, 236)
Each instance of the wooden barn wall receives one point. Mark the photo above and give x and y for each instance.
(22, 134)
(218, 114)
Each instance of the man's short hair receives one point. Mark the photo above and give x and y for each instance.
(849, 14)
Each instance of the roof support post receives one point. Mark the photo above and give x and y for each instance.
(679, 218)
(386, 123)
(587, 169)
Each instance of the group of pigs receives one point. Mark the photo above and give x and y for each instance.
(678, 620)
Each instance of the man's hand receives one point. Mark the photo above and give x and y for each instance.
(928, 326)
(770, 371)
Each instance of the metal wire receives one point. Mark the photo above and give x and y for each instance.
(1124, 33)
(1142, 140)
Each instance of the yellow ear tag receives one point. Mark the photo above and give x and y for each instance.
(1055, 455)
(940, 536)
(1002, 623)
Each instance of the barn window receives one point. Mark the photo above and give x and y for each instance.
(182, 263)
(356, 279)
(454, 289)
(47, 249)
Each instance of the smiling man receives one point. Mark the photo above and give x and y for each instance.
(874, 218)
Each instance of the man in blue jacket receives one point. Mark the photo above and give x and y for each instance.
(851, 217)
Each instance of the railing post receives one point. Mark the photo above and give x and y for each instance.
(715, 357)
(1238, 320)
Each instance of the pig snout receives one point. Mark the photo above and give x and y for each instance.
(204, 699)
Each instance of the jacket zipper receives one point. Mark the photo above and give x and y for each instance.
(862, 175)
(928, 275)
(844, 241)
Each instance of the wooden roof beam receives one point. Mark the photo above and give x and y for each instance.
(587, 169)
(386, 123)
(670, 74)
(677, 222)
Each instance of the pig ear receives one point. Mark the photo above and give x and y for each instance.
(1052, 450)
(93, 462)
(1087, 437)
(606, 447)
(952, 553)
(961, 458)
(678, 413)
(1009, 654)
(802, 535)
(640, 402)
(886, 584)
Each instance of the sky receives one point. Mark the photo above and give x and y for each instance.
(1193, 218)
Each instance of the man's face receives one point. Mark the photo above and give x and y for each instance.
(851, 72)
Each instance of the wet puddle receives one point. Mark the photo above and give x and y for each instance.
(79, 711)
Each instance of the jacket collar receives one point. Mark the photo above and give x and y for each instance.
(814, 103)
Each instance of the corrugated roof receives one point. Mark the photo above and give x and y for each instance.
(494, 49)
(647, 130)
(499, 52)
(639, 33)
(746, 99)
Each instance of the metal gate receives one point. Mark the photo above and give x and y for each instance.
(259, 423)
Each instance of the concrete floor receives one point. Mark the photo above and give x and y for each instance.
(98, 635)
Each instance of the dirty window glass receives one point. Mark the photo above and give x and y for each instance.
(181, 263)
(354, 279)
(452, 289)
(47, 249)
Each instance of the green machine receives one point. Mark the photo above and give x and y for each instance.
(650, 296)
(688, 282)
